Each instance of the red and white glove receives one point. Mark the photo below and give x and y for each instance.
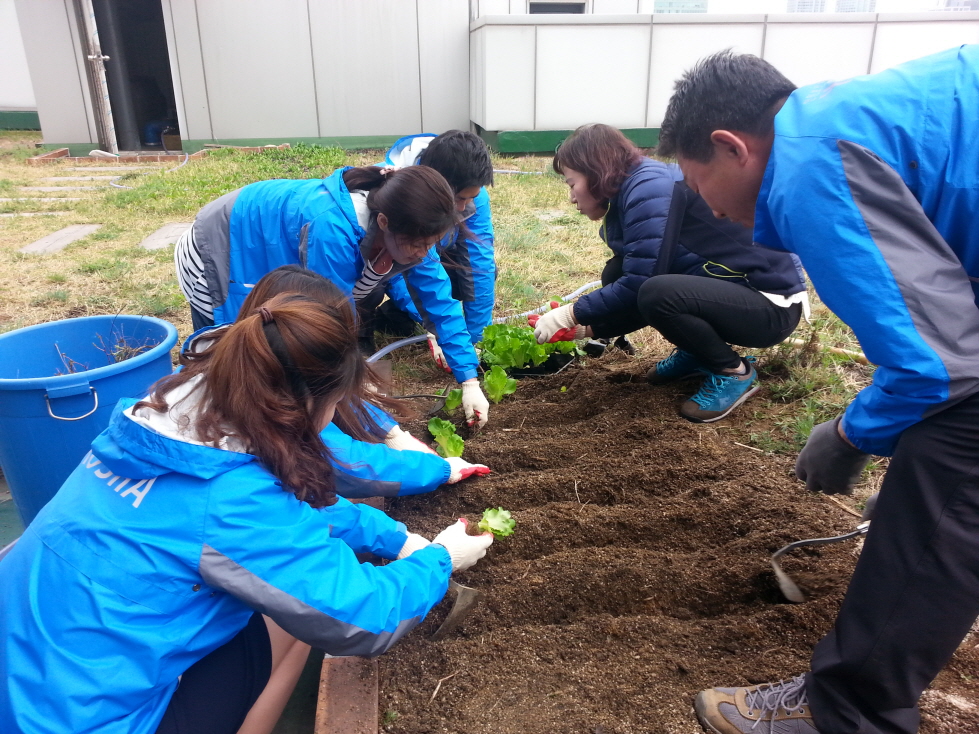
(464, 549)
(557, 325)
(401, 440)
(474, 403)
(436, 350)
(462, 469)
(412, 543)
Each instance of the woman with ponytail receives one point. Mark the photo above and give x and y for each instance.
(372, 455)
(167, 586)
(359, 228)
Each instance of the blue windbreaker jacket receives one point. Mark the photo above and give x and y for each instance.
(474, 272)
(874, 183)
(314, 223)
(369, 469)
(637, 222)
(155, 552)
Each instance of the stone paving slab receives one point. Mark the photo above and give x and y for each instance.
(59, 240)
(60, 188)
(44, 198)
(165, 236)
(78, 178)
(33, 214)
(111, 167)
(347, 702)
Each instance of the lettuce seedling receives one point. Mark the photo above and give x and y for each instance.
(447, 442)
(497, 521)
(516, 346)
(497, 384)
(453, 400)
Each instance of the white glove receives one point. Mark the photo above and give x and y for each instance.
(464, 549)
(474, 403)
(413, 543)
(436, 350)
(462, 469)
(560, 319)
(401, 440)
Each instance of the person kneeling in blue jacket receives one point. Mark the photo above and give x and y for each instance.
(697, 280)
(466, 251)
(134, 601)
(390, 463)
(359, 228)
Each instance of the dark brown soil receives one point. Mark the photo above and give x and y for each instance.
(638, 573)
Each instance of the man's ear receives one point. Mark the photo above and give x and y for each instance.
(382, 221)
(731, 145)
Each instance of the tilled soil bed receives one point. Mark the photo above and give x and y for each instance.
(638, 573)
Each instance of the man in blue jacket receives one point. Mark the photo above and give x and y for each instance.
(467, 253)
(874, 183)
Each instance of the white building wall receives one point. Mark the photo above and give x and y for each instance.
(590, 68)
(16, 92)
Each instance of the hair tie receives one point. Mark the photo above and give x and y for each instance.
(266, 315)
(387, 170)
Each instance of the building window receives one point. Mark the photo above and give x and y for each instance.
(680, 6)
(806, 6)
(540, 8)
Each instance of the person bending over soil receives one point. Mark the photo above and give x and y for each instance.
(874, 183)
(359, 228)
(697, 280)
(135, 599)
(390, 463)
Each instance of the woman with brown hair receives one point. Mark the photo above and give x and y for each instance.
(696, 279)
(359, 228)
(134, 602)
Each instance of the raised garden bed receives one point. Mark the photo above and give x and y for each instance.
(637, 576)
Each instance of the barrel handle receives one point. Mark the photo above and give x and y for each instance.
(95, 395)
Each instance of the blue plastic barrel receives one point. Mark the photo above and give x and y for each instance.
(59, 383)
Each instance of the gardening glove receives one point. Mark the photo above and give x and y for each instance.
(828, 463)
(414, 542)
(462, 469)
(401, 440)
(556, 325)
(464, 549)
(474, 403)
(436, 350)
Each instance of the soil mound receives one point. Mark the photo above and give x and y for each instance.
(638, 573)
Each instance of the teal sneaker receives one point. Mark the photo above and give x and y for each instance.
(719, 395)
(679, 365)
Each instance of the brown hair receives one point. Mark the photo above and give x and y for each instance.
(603, 154)
(417, 201)
(268, 381)
(352, 417)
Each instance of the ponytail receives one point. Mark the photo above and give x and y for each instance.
(417, 201)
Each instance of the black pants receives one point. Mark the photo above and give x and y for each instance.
(702, 315)
(915, 591)
(199, 320)
(216, 692)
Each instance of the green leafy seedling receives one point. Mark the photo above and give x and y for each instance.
(497, 384)
(447, 442)
(497, 521)
(516, 346)
(453, 400)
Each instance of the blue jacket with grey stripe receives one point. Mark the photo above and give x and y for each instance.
(156, 551)
(874, 183)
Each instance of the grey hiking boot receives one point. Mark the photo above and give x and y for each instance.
(771, 708)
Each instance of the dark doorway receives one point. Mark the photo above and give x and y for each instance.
(137, 71)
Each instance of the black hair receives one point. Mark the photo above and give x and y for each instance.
(725, 91)
(462, 157)
(417, 201)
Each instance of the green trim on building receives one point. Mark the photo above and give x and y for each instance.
(547, 141)
(19, 121)
(360, 142)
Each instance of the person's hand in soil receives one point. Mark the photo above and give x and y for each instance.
(401, 440)
(474, 403)
(557, 325)
(437, 354)
(464, 549)
(829, 463)
(462, 469)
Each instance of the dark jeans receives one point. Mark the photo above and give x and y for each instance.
(199, 320)
(702, 316)
(915, 592)
(216, 692)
